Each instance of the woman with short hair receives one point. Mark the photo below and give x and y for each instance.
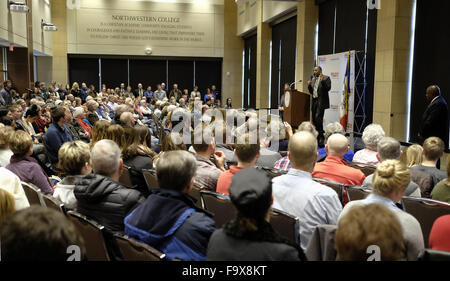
(371, 136)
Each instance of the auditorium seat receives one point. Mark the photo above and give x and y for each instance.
(195, 192)
(93, 236)
(321, 245)
(33, 194)
(433, 255)
(151, 180)
(132, 250)
(220, 205)
(356, 193)
(53, 203)
(366, 169)
(125, 177)
(286, 225)
(426, 211)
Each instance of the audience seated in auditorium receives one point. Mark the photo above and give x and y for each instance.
(389, 149)
(5, 152)
(39, 234)
(390, 181)
(25, 166)
(137, 157)
(371, 136)
(441, 191)
(169, 220)
(208, 172)
(74, 161)
(433, 149)
(250, 237)
(11, 183)
(16, 114)
(296, 193)
(247, 154)
(7, 205)
(366, 226)
(100, 196)
(58, 133)
(439, 234)
(334, 168)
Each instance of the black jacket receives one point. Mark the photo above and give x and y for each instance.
(230, 244)
(105, 201)
(322, 91)
(435, 121)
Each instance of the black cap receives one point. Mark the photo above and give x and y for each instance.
(251, 192)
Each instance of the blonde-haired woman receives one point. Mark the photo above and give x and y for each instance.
(74, 161)
(99, 131)
(390, 181)
(7, 204)
(414, 155)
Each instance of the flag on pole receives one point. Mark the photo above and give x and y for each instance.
(343, 114)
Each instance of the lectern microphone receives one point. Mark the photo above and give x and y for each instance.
(293, 83)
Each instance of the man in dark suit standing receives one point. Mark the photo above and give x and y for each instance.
(319, 88)
(435, 117)
(139, 92)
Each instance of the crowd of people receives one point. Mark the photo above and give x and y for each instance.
(74, 143)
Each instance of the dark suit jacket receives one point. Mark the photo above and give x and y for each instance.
(322, 91)
(435, 121)
(136, 93)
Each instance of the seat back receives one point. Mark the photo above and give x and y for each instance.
(356, 193)
(125, 177)
(195, 192)
(93, 236)
(433, 255)
(53, 203)
(151, 180)
(286, 225)
(426, 211)
(220, 205)
(135, 251)
(33, 194)
(366, 169)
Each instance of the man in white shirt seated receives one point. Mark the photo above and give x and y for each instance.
(298, 194)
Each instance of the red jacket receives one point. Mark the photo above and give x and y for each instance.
(337, 170)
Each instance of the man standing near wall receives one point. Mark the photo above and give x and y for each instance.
(435, 117)
(5, 94)
(319, 88)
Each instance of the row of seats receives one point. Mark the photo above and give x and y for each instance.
(93, 233)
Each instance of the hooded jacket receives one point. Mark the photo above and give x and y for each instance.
(171, 222)
(105, 200)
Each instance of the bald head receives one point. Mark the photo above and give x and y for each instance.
(337, 145)
(432, 92)
(303, 151)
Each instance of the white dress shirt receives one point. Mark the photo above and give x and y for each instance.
(313, 203)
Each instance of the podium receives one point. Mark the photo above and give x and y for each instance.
(296, 107)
